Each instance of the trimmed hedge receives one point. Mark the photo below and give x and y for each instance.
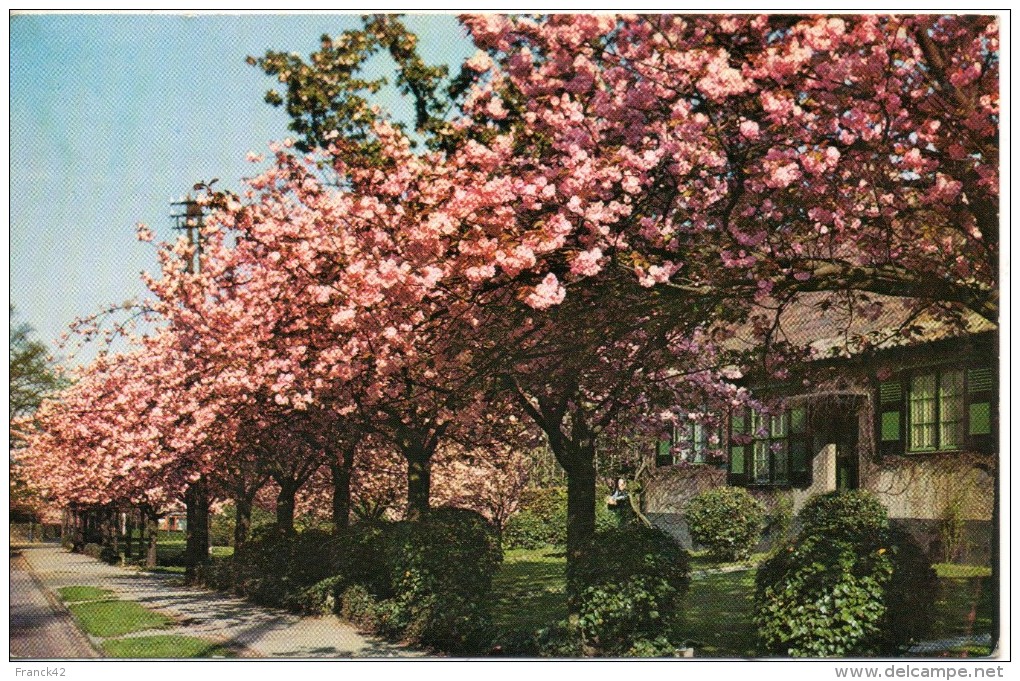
(847, 585)
(727, 521)
(426, 583)
(541, 520)
(442, 570)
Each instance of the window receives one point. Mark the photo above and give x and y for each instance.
(936, 410)
(770, 449)
(690, 442)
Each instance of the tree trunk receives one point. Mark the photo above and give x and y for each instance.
(129, 530)
(242, 522)
(341, 473)
(580, 512)
(196, 550)
(419, 482)
(113, 523)
(152, 534)
(285, 503)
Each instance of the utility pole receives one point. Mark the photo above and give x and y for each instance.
(191, 219)
(198, 549)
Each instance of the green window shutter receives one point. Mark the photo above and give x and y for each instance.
(738, 451)
(737, 464)
(798, 420)
(980, 418)
(981, 409)
(890, 418)
(980, 380)
(663, 456)
(801, 472)
(890, 426)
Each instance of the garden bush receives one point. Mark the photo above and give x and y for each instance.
(727, 521)
(324, 597)
(218, 574)
(541, 519)
(442, 569)
(628, 588)
(833, 591)
(276, 569)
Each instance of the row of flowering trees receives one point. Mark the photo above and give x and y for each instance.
(613, 199)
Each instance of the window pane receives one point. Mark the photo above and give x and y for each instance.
(778, 425)
(981, 418)
(780, 463)
(761, 461)
(738, 423)
(737, 460)
(756, 423)
(951, 410)
(922, 413)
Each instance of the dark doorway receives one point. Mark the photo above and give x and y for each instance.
(835, 422)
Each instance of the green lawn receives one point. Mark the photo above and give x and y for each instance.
(116, 618)
(965, 607)
(701, 561)
(717, 615)
(530, 595)
(170, 549)
(148, 647)
(530, 591)
(956, 571)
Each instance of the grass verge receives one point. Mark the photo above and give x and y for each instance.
(116, 618)
(161, 647)
(74, 594)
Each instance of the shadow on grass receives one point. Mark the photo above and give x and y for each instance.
(717, 615)
(530, 593)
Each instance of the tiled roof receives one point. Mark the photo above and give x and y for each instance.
(833, 325)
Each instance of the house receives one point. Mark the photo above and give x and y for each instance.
(902, 404)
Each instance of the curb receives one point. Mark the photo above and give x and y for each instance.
(59, 610)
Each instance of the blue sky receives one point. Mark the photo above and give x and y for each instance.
(114, 116)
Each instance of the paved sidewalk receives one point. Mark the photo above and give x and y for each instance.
(252, 630)
(41, 628)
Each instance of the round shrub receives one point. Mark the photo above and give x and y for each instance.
(727, 521)
(854, 515)
(834, 591)
(628, 587)
(821, 598)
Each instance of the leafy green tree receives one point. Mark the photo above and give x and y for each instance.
(328, 95)
(32, 377)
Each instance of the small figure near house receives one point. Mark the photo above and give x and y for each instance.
(619, 501)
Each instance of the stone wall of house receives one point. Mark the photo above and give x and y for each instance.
(668, 489)
(934, 486)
